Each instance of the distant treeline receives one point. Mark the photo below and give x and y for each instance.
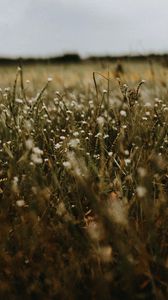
(75, 58)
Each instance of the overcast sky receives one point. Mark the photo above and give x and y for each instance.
(51, 27)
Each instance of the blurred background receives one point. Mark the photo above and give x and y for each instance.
(43, 28)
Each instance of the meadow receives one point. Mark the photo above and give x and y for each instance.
(84, 181)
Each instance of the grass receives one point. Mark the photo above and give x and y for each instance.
(84, 183)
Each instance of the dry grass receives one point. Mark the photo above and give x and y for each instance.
(84, 183)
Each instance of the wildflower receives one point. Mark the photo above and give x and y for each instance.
(142, 172)
(62, 137)
(125, 85)
(57, 146)
(67, 164)
(36, 155)
(100, 121)
(127, 161)
(158, 100)
(123, 113)
(126, 152)
(29, 144)
(36, 159)
(20, 203)
(38, 151)
(141, 191)
(69, 112)
(106, 136)
(74, 143)
(76, 133)
(19, 101)
(118, 212)
(98, 135)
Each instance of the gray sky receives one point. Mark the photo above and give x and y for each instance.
(50, 27)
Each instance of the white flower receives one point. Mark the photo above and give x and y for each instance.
(126, 152)
(110, 154)
(36, 155)
(36, 150)
(84, 122)
(20, 203)
(74, 143)
(141, 191)
(118, 212)
(76, 133)
(67, 164)
(106, 136)
(142, 172)
(36, 159)
(100, 121)
(29, 144)
(57, 146)
(98, 135)
(127, 161)
(20, 101)
(62, 137)
(123, 113)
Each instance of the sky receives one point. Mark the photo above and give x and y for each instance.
(89, 27)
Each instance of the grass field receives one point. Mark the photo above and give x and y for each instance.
(84, 182)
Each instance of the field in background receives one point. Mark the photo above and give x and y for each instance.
(72, 74)
(84, 181)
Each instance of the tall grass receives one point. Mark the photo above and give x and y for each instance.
(83, 189)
